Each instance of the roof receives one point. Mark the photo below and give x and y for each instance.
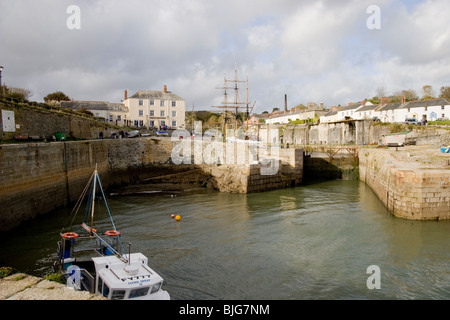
(351, 107)
(426, 103)
(156, 95)
(369, 107)
(93, 105)
(390, 106)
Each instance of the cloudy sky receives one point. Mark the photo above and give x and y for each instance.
(313, 51)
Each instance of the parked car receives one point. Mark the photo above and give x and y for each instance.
(412, 121)
(133, 134)
(162, 133)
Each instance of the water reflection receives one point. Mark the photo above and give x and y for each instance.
(309, 242)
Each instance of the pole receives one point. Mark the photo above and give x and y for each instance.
(1, 88)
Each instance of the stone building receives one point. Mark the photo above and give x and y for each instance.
(156, 109)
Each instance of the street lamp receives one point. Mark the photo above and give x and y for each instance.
(1, 88)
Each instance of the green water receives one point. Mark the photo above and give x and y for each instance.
(311, 242)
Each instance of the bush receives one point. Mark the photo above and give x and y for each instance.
(6, 271)
(56, 277)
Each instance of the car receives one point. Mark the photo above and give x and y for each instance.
(162, 133)
(412, 121)
(133, 134)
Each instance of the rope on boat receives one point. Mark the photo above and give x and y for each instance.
(109, 212)
(78, 203)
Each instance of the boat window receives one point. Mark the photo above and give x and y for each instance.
(156, 287)
(118, 295)
(100, 285)
(105, 290)
(138, 292)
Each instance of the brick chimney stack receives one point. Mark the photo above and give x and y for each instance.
(165, 89)
(126, 95)
(285, 103)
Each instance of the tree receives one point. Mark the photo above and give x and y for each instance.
(56, 96)
(17, 94)
(428, 92)
(445, 93)
(409, 95)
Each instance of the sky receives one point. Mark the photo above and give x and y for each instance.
(323, 51)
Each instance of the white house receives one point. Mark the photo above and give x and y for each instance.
(430, 110)
(156, 109)
(106, 111)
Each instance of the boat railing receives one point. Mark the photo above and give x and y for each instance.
(91, 281)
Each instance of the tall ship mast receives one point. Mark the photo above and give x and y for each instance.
(231, 108)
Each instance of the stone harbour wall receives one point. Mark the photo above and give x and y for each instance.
(37, 178)
(413, 183)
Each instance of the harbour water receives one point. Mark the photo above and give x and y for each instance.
(310, 242)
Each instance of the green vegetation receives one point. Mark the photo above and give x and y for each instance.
(56, 277)
(6, 272)
(56, 96)
(440, 123)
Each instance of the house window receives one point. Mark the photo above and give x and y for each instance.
(152, 113)
(110, 118)
(152, 123)
(174, 124)
(119, 118)
(136, 123)
(163, 123)
(443, 115)
(161, 103)
(141, 123)
(141, 102)
(174, 113)
(141, 113)
(152, 102)
(162, 113)
(443, 108)
(426, 109)
(174, 103)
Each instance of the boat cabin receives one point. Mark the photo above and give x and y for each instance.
(119, 280)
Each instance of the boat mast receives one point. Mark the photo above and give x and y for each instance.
(93, 197)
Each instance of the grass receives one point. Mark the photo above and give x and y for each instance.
(56, 277)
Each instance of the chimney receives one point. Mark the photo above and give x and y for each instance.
(285, 103)
(403, 99)
(165, 89)
(383, 101)
(364, 103)
(126, 95)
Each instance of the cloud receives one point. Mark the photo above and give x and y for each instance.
(318, 51)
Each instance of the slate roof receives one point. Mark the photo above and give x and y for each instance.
(91, 105)
(390, 106)
(425, 103)
(155, 95)
(351, 107)
(94, 105)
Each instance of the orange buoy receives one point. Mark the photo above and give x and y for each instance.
(178, 218)
(70, 235)
(112, 233)
(173, 216)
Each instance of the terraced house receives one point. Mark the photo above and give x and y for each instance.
(429, 110)
(156, 109)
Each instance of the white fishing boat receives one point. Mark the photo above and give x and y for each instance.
(97, 262)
